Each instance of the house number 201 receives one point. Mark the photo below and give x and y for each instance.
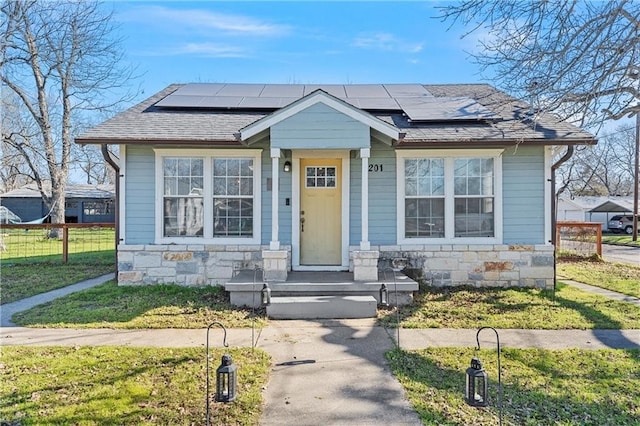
(375, 167)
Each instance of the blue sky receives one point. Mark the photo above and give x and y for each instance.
(292, 42)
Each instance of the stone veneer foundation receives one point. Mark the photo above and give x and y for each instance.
(441, 265)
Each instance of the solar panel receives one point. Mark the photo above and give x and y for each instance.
(180, 101)
(444, 109)
(336, 90)
(219, 102)
(406, 90)
(374, 104)
(265, 103)
(366, 91)
(201, 89)
(413, 99)
(283, 90)
(252, 90)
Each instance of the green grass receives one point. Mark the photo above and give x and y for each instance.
(618, 277)
(124, 386)
(158, 306)
(541, 387)
(35, 246)
(620, 239)
(23, 279)
(464, 307)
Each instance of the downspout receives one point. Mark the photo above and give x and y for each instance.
(108, 157)
(567, 155)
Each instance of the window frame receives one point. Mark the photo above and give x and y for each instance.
(449, 156)
(208, 155)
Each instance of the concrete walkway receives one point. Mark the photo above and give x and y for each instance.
(329, 372)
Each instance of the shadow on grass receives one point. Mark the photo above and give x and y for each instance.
(438, 307)
(536, 389)
(158, 306)
(127, 386)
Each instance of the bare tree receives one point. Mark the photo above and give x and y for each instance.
(61, 60)
(92, 164)
(604, 169)
(579, 59)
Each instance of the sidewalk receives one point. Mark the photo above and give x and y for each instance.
(329, 372)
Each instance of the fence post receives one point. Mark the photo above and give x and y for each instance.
(65, 244)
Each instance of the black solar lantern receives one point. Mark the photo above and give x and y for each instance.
(476, 390)
(226, 380)
(265, 295)
(384, 295)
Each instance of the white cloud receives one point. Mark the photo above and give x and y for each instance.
(386, 41)
(203, 20)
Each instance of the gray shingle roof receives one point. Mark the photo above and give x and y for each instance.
(147, 123)
(72, 191)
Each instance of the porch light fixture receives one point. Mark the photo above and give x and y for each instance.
(476, 390)
(265, 295)
(226, 380)
(384, 295)
(287, 166)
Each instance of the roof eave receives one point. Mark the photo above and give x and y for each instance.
(190, 142)
(426, 143)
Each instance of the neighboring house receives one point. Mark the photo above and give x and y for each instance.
(83, 203)
(217, 178)
(593, 209)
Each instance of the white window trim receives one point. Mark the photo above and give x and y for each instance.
(208, 155)
(449, 156)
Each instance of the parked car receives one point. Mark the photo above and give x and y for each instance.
(621, 223)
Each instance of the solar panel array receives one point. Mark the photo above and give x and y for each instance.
(414, 100)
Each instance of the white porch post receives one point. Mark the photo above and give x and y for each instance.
(275, 170)
(364, 155)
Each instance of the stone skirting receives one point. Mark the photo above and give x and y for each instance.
(188, 265)
(497, 265)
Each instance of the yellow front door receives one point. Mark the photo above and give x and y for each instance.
(320, 211)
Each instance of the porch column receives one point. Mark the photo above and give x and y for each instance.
(364, 155)
(275, 170)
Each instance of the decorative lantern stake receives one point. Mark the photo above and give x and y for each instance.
(476, 393)
(226, 380)
(265, 295)
(384, 295)
(476, 388)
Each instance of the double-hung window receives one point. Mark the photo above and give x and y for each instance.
(208, 196)
(449, 196)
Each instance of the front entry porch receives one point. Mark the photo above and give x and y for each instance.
(307, 294)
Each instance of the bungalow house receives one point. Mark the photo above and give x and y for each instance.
(83, 203)
(299, 181)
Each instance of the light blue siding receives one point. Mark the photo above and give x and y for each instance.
(523, 195)
(139, 195)
(382, 197)
(320, 127)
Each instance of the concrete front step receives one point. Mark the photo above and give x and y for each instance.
(322, 307)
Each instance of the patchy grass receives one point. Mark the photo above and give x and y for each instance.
(157, 306)
(620, 239)
(124, 386)
(541, 387)
(464, 307)
(25, 279)
(619, 277)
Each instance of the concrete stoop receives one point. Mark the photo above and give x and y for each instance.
(322, 307)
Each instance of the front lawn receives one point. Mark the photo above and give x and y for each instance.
(21, 279)
(159, 306)
(540, 387)
(620, 239)
(124, 386)
(619, 277)
(464, 307)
